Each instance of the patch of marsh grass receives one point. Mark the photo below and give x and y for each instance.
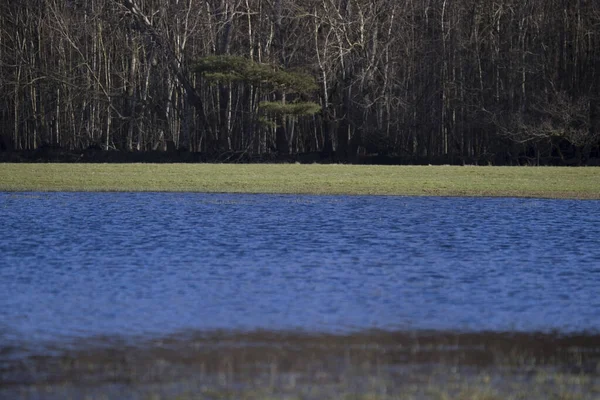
(439, 385)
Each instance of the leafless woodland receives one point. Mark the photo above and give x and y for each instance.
(439, 80)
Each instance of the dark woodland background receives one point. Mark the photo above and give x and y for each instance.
(500, 82)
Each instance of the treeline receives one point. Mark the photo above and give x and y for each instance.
(500, 81)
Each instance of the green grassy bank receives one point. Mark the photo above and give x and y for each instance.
(543, 182)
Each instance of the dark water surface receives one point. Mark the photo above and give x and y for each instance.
(79, 265)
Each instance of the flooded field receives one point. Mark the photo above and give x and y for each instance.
(267, 365)
(177, 296)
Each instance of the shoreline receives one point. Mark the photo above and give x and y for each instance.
(273, 365)
(96, 155)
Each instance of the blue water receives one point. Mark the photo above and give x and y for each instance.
(86, 264)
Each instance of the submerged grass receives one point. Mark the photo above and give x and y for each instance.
(477, 388)
(444, 383)
(540, 182)
(290, 366)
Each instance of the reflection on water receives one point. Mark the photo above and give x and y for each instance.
(86, 264)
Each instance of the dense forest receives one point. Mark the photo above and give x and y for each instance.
(436, 81)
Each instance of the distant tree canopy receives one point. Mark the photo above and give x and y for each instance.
(267, 76)
(268, 80)
(500, 81)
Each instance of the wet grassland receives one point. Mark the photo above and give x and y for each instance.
(539, 182)
(291, 365)
(279, 365)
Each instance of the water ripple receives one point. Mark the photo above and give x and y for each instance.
(84, 264)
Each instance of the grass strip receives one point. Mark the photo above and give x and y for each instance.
(449, 385)
(537, 182)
